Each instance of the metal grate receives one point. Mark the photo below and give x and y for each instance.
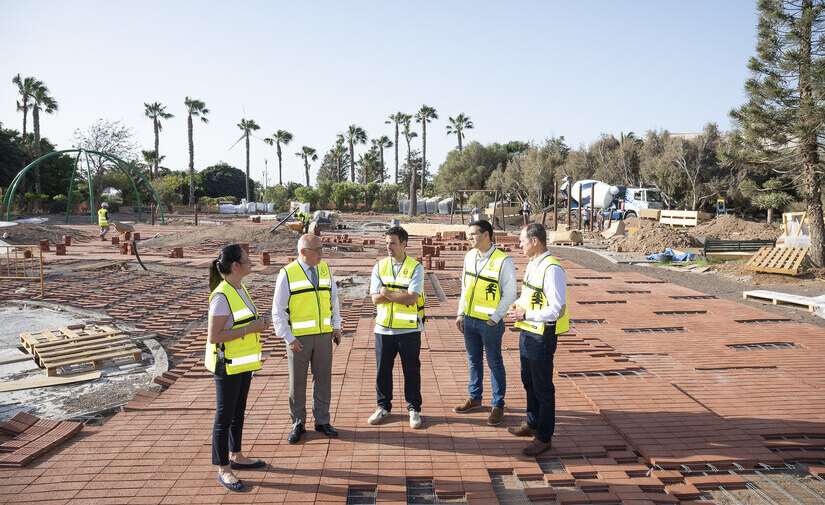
(646, 282)
(605, 374)
(577, 284)
(664, 329)
(551, 465)
(361, 496)
(764, 346)
(789, 484)
(628, 292)
(592, 277)
(679, 312)
(763, 321)
(695, 297)
(588, 321)
(600, 302)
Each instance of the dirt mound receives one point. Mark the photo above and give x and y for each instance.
(653, 238)
(733, 228)
(258, 238)
(32, 233)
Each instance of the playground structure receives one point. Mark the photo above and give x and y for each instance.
(8, 198)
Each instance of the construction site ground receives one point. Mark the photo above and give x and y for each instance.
(670, 388)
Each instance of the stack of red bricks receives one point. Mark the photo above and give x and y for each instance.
(32, 437)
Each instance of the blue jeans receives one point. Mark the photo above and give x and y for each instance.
(481, 339)
(536, 353)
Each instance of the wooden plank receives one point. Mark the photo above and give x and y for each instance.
(775, 298)
(78, 339)
(28, 340)
(44, 381)
(83, 351)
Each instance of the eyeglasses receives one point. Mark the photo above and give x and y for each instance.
(317, 250)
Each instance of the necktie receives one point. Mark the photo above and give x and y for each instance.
(313, 277)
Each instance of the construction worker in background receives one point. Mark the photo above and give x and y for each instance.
(103, 220)
(487, 290)
(304, 218)
(541, 314)
(525, 211)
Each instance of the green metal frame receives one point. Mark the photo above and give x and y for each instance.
(8, 198)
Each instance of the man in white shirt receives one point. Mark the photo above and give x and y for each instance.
(306, 303)
(540, 314)
(488, 288)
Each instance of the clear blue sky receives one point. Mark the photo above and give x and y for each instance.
(520, 70)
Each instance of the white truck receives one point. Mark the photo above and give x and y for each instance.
(622, 201)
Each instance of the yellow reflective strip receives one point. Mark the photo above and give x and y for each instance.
(408, 317)
(300, 284)
(324, 282)
(300, 325)
(484, 310)
(241, 313)
(327, 321)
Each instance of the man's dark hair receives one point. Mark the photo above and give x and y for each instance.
(399, 232)
(484, 225)
(538, 231)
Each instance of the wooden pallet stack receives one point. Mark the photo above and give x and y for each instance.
(777, 260)
(74, 346)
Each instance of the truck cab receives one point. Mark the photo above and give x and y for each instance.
(636, 199)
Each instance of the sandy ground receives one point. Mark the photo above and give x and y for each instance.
(116, 386)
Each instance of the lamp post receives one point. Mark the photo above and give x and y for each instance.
(266, 181)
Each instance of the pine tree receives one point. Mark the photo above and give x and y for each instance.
(784, 119)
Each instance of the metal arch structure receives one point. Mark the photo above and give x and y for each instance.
(8, 198)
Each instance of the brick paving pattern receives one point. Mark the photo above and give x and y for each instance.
(661, 391)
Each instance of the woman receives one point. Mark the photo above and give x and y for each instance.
(233, 352)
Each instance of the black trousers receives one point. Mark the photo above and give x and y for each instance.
(536, 353)
(231, 392)
(408, 345)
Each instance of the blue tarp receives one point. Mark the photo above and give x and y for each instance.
(669, 255)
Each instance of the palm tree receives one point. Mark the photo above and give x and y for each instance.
(339, 151)
(396, 119)
(354, 135)
(280, 137)
(424, 115)
(40, 101)
(193, 108)
(457, 126)
(156, 111)
(246, 126)
(307, 153)
(25, 87)
(408, 134)
(381, 143)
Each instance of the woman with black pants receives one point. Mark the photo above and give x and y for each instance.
(233, 352)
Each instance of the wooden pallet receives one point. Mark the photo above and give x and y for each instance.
(776, 298)
(777, 260)
(53, 349)
(683, 217)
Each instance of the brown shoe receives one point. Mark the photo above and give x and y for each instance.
(495, 417)
(467, 405)
(522, 430)
(536, 447)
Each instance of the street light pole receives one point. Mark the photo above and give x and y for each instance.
(266, 181)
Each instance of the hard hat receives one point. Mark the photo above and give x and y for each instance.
(104, 205)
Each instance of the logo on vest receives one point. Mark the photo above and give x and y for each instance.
(492, 289)
(536, 299)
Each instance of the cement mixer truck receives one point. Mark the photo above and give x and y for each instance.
(622, 201)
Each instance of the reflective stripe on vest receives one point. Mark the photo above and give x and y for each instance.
(398, 315)
(241, 354)
(482, 292)
(532, 298)
(310, 309)
(102, 220)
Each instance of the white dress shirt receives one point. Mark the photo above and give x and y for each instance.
(280, 302)
(506, 282)
(554, 286)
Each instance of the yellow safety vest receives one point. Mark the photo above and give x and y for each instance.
(398, 315)
(302, 216)
(242, 354)
(482, 292)
(532, 298)
(102, 218)
(310, 309)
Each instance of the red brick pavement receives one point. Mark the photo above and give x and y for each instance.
(651, 382)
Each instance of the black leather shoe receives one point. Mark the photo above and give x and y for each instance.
(295, 435)
(327, 430)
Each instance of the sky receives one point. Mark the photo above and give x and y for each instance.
(520, 70)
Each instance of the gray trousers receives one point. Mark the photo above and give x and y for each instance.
(316, 351)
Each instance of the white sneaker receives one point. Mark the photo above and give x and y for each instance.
(415, 420)
(378, 416)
